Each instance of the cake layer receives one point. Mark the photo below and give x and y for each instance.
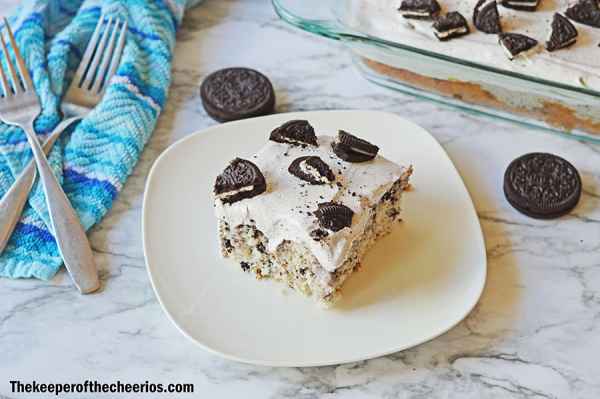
(527, 104)
(295, 265)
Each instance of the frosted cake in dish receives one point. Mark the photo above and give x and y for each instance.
(577, 65)
(305, 209)
(549, 41)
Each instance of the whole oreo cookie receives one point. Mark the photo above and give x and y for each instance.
(240, 180)
(311, 169)
(295, 132)
(353, 149)
(333, 216)
(542, 185)
(237, 93)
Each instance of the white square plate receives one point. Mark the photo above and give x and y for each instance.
(415, 284)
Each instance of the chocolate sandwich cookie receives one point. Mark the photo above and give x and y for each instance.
(353, 149)
(311, 169)
(585, 12)
(450, 26)
(237, 93)
(333, 216)
(486, 17)
(516, 43)
(521, 5)
(563, 33)
(295, 132)
(240, 180)
(419, 9)
(542, 185)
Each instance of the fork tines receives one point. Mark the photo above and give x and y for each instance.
(102, 55)
(21, 81)
(99, 62)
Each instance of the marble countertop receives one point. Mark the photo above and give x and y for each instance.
(534, 334)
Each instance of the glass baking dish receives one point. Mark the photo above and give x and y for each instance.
(560, 108)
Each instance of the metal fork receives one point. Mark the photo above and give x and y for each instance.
(77, 103)
(22, 107)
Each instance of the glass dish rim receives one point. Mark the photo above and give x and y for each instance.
(334, 29)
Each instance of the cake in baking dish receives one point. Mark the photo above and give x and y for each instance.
(541, 57)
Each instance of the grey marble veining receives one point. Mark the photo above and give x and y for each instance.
(534, 334)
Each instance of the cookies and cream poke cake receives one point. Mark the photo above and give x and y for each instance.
(305, 209)
(555, 42)
(543, 27)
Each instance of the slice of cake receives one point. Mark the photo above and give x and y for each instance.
(305, 209)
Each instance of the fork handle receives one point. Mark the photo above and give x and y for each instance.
(14, 200)
(68, 232)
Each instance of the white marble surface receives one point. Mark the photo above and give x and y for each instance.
(534, 334)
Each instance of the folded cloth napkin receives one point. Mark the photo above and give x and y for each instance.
(94, 160)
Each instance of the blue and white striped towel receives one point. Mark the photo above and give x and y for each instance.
(92, 162)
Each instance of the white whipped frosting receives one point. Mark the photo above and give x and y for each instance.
(578, 65)
(286, 210)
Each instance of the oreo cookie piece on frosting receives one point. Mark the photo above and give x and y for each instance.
(240, 180)
(419, 9)
(353, 149)
(563, 33)
(586, 12)
(333, 216)
(295, 132)
(311, 169)
(450, 26)
(514, 44)
(486, 17)
(521, 5)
